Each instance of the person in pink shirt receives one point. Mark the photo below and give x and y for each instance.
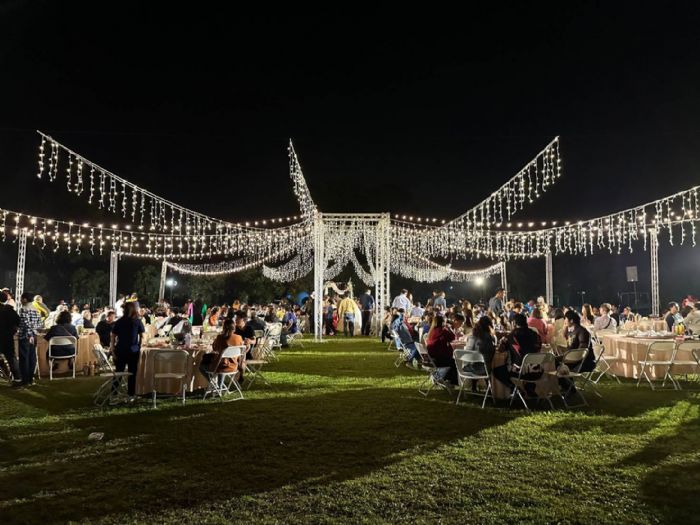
(535, 321)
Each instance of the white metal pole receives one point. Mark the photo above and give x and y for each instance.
(504, 280)
(549, 279)
(21, 260)
(163, 275)
(319, 266)
(113, 269)
(654, 249)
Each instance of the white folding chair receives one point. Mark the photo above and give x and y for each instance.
(62, 341)
(539, 359)
(115, 389)
(295, 339)
(603, 362)
(659, 353)
(574, 360)
(401, 348)
(176, 363)
(253, 371)
(273, 336)
(222, 383)
(392, 339)
(469, 358)
(687, 354)
(435, 375)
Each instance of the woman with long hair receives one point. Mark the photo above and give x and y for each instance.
(587, 316)
(440, 349)
(127, 335)
(226, 338)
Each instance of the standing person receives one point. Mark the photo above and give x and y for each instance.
(440, 301)
(197, 318)
(346, 313)
(125, 343)
(40, 307)
(401, 301)
(119, 305)
(29, 323)
(496, 302)
(367, 303)
(9, 324)
(104, 329)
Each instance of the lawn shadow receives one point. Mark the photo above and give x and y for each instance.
(166, 457)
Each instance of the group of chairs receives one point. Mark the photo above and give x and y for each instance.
(473, 369)
(172, 364)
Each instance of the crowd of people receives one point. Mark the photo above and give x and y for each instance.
(121, 329)
(504, 330)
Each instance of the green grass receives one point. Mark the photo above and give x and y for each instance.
(344, 436)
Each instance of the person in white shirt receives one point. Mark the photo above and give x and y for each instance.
(401, 301)
(604, 321)
(119, 306)
(417, 311)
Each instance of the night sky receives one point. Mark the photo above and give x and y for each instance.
(403, 111)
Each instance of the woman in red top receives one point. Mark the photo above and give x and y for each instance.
(535, 321)
(440, 349)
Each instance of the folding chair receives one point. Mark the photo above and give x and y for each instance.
(295, 338)
(403, 351)
(272, 334)
(687, 354)
(218, 385)
(62, 341)
(464, 358)
(253, 371)
(392, 339)
(176, 362)
(435, 374)
(540, 359)
(602, 362)
(659, 353)
(574, 360)
(115, 389)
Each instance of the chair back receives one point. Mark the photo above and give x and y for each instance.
(259, 333)
(574, 358)
(535, 359)
(102, 360)
(425, 357)
(469, 357)
(232, 351)
(63, 341)
(660, 349)
(687, 351)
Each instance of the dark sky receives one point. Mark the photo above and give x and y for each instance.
(404, 111)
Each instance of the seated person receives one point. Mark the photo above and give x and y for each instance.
(255, 322)
(405, 338)
(482, 340)
(440, 349)
(104, 329)
(605, 321)
(535, 321)
(213, 319)
(578, 337)
(63, 328)
(210, 360)
(673, 317)
(246, 332)
(87, 319)
(517, 344)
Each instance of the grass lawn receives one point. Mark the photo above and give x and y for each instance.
(344, 436)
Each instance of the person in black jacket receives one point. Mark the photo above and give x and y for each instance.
(518, 343)
(62, 328)
(104, 329)
(9, 323)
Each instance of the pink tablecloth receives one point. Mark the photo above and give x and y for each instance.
(631, 350)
